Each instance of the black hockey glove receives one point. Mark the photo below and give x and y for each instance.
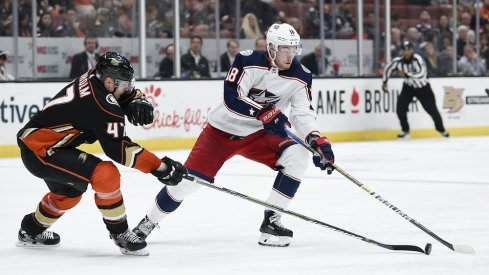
(325, 155)
(273, 120)
(173, 173)
(139, 111)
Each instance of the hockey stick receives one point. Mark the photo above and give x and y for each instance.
(426, 251)
(456, 248)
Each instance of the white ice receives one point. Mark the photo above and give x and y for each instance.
(442, 183)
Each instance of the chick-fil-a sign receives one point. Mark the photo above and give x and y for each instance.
(172, 119)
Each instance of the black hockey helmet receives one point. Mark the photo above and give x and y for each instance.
(406, 45)
(116, 66)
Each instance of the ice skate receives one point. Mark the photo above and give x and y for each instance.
(273, 232)
(144, 228)
(44, 239)
(444, 134)
(129, 243)
(403, 135)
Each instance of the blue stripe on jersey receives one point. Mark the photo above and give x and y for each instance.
(286, 185)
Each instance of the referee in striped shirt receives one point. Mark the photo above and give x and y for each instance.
(412, 67)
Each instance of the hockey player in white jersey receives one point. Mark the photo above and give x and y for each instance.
(249, 122)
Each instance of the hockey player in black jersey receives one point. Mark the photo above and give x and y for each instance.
(90, 108)
(412, 67)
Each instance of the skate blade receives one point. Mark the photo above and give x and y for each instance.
(28, 244)
(140, 252)
(275, 241)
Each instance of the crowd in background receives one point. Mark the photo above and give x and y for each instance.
(425, 23)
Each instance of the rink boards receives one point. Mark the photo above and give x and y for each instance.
(347, 110)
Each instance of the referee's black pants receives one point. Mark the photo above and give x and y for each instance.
(427, 98)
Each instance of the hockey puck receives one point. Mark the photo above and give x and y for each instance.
(427, 249)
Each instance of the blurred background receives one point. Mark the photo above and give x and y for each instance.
(39, 38)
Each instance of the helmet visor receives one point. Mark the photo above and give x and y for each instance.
(289, 50)
(125, 86)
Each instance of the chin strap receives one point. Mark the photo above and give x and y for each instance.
(272, 58)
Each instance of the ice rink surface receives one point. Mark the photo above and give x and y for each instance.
(442, 183)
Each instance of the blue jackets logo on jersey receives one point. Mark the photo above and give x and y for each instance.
(262, 97)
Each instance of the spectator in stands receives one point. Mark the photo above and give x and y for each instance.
(265, 13)
(369, 25)
(485, 28)
(25, 28)
(125, 8)
(6, 18)
(312, 61)
(200, 20)
(227, 14)
(466, 20)
(108, 4)
(194, 64)
(471, 39)
(70, 27)
(445, 61)
(396, 41)
(395, 21)
(85, 60)
(413, 36)
(431, 58)
(297, 24)
(484, 11)
(25, 6)
(344, 17)
(156, 27)
(261, 44)
(249, 27)
(123, 27)
(433, 38)
(4, 75)
(45, 27)
(166, 64)
(103, 26)
(313, 21)
(227, 58)
(462, 40)
(443, 27)
(424, 26)
(470, 64)
(485, 50)
(85, 9)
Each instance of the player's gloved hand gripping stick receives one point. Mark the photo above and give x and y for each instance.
(171, 173)
(323, 156)
(456, 248)
(274, 121)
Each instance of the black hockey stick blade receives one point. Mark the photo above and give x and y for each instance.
(426, 251)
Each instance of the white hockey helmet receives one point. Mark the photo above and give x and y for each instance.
(283, 35)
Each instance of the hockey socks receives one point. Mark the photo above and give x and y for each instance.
(273, 232)
(284, 189)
